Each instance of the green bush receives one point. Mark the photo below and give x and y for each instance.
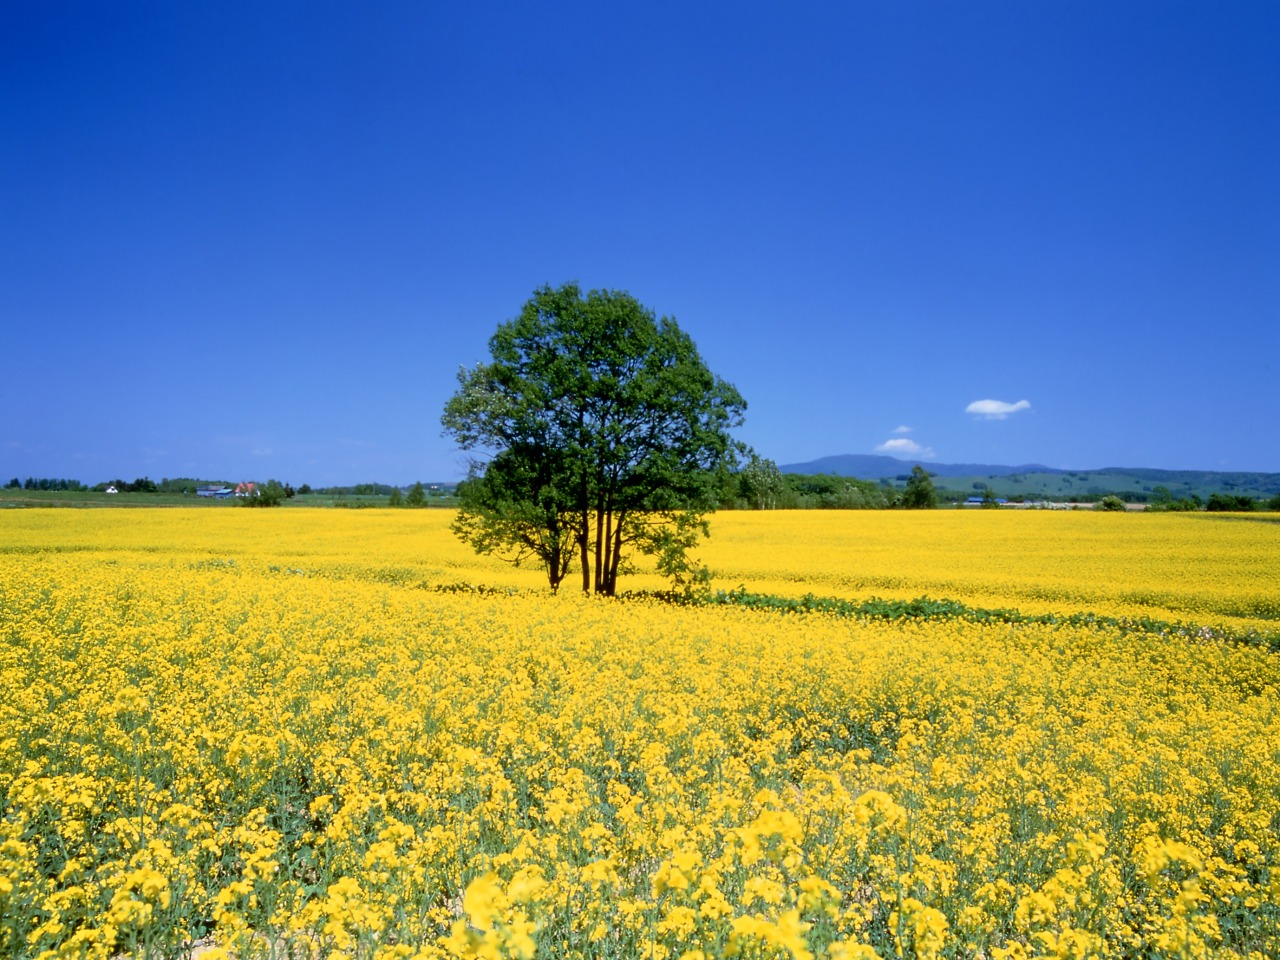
(269, 494)
(1230, 503)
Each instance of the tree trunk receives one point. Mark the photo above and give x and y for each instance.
(605, 554)
(553, 571)
(615, 555)
(600, 542)
(584, 529)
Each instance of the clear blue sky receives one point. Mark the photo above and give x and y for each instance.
(251, 240)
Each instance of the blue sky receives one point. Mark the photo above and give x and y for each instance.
(251, 240)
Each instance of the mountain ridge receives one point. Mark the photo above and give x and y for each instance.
(866, 466)
(1037, 478)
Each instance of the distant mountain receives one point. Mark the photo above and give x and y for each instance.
(1033, 480)
(870, 467)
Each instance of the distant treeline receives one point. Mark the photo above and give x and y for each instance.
(385, 490)
(356, 490)
(180, 485)
(759, 485)
(748, 490)
(189, 485)
(44, 483)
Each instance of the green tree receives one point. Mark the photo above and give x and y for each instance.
(269, 494)
(1234, 502)
(920, 493)
(395, 498)
(605, 433)
(417, 495)
(761, 484)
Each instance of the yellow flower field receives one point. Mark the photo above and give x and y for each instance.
(1195, 567)
(305, 732)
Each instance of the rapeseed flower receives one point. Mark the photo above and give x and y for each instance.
(273, 733)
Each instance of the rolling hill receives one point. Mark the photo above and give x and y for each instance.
(1036, 480)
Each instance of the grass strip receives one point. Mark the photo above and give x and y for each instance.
(927, 608)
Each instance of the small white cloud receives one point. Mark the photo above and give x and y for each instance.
(902, 446)
(996, 409)
(902, 429)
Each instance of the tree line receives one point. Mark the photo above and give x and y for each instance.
(758, 484)
(44, 483)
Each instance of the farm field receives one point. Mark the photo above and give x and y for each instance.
(322, 732)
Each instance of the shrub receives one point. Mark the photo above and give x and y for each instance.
(269, 494)
(1230, 502)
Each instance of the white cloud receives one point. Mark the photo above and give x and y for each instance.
(996, 409)
(902, 429)
(902, 446)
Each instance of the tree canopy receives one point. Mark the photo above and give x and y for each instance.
(599, 430)
(920, 493)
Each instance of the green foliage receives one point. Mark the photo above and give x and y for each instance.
(141, 485)
(188, 485)
(671, 545)
(606, 433)
(1134, 485)
(1109, 503)
(44, 483)
(1274, 503)
(1232, 503)
(417, 495)
(514, 510)
(395, 498)
(826, 491)
(761, 484)
(1169, 505)
(270, 494)
(920, 493)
